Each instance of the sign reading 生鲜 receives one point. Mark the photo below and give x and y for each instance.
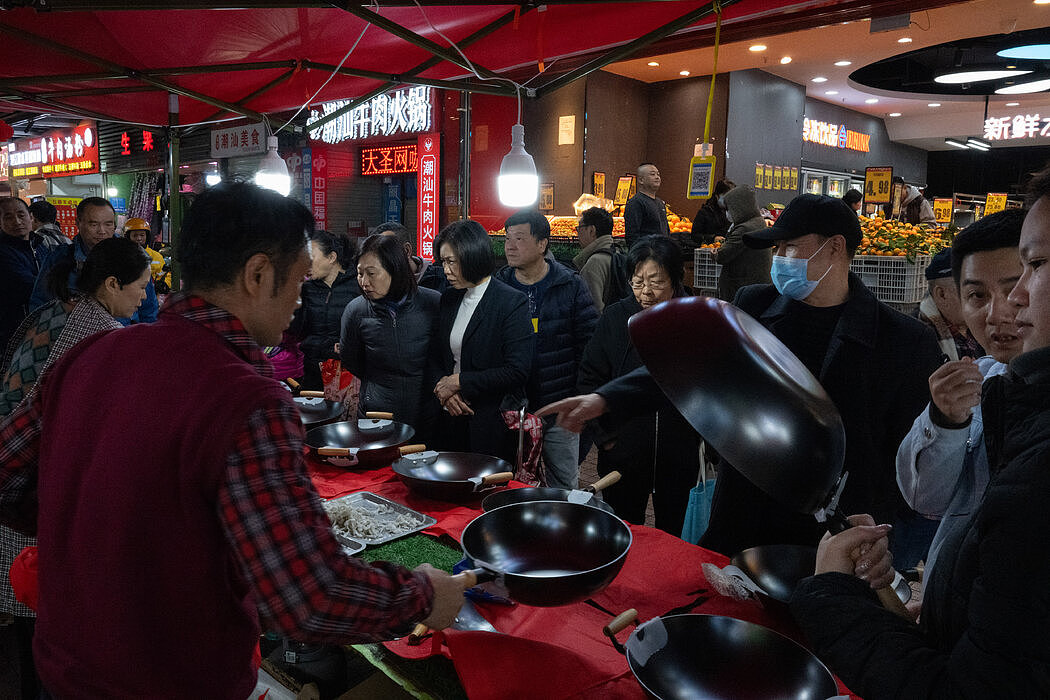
(428, 193)
(403, 111)
(834, 135)
(58, 153)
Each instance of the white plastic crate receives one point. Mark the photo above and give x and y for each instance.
(893, 279)
(705, 272)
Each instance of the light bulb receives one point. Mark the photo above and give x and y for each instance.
(213, 179)
(517, 182)
(273, 172)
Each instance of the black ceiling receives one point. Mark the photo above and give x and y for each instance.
(914, 72)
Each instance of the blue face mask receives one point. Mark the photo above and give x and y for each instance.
(790, 275)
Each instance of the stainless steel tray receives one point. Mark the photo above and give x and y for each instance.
(350, 546)
(370, 501)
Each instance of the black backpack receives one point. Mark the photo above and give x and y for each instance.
(618, 285)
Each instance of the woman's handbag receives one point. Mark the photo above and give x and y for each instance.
(698, 512)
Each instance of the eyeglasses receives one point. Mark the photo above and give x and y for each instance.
(653, 285)
(450, 263)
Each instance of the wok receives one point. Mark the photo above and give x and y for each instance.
(778, 568)
(710, 656)
(747, 395)
(452, 476)
(547, 553)
(317, 410)
(372, 441)
(586, 495)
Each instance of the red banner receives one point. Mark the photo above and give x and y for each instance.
(58, 153)
(428, 193)
(319, 186)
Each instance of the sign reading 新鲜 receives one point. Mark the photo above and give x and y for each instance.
(1019, 126)
(834, 135)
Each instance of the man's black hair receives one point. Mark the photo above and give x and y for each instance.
(1039, 185)
(852, 196)
(600, 219)
(44, 211)
(93, 202)
(231, 222)
(471, 245)
(402, 233)
(999, 230)
(539, 227)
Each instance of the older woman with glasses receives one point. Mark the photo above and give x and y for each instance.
(657, 453)
(483, 348)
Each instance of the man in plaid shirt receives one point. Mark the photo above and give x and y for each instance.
(159, 556)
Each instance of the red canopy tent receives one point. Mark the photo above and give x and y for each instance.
(101, 60)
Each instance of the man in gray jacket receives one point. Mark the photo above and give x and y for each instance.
(942, 465)
(594, 261)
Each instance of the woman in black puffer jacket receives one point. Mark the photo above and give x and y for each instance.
(332, 285)
(386, 335)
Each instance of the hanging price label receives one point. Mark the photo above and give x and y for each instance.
(877, 185)
(942, 209)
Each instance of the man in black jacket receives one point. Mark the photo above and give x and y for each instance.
(563, 319)
(872, 361)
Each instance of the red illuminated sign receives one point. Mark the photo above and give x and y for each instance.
(131, 142)
(428, 193)
(58, 153)
(388, 160)
(319, 188)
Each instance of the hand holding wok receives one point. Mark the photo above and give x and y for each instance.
(863, 551)
(575, 411)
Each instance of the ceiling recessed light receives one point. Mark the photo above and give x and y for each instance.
(934, 104)
(683, 72)
(756, 47)
(820, 79)
(895, 114)
(831, 92)
(904, 40)
(843, 63)
(1013, 104)
(1024, 88)
(652, 63)
(785, 60)
(976, 76)
(1036, 52)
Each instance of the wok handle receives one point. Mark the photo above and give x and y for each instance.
(500, 478)
(415, 638)
(607, 480)
(379, 415)
(472, 577)
(291, 382)
(307, 394)
(333, 451)
(411, 449)
(620, 622)
(887, 596)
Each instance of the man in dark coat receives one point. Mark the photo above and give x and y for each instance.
(984, 630)
(21, 253)
(563, 319)
(872, 361)
(645, 214)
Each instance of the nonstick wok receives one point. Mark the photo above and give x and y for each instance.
(547, 553)
(587, 495)
(452, 476)
(372, 441)
(689, 657)
(317, 410)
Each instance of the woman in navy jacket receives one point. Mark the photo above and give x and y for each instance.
(483, 350)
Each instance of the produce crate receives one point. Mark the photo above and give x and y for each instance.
(705, 272)
(893, 279)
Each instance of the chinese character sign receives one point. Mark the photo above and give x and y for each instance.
(834, 135)
(428, 192)
(1020, 126)
(388, 160)
(58, 153)
(319, 186)
(242, 140)
(404, 111)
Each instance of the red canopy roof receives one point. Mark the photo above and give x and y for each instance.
(120, 64)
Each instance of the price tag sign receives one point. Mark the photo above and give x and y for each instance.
(778, 176)
(794, 180)
(995, 201)
(598, 188)
(623, 189)
(877, 188)
(942, 209)
(759, 174)
(700, 171)
(767, 177)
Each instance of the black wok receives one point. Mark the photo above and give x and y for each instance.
(317, 410)
(548, 553)
(372, 441)
(691, 657)
(452, 476)
(778, 568)
(747, 395)
(586, 495)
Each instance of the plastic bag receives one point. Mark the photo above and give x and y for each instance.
(340, 385)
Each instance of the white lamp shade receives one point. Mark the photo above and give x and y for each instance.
(518, 182)
(273, 172)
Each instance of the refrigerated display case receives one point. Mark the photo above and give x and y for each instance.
(829, 183)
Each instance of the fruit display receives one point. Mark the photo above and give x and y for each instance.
(888, 237)
(564, 227)
(678, 224)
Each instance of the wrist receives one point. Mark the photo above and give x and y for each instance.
(941, 420)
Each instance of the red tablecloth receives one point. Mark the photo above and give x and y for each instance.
(561, 652)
